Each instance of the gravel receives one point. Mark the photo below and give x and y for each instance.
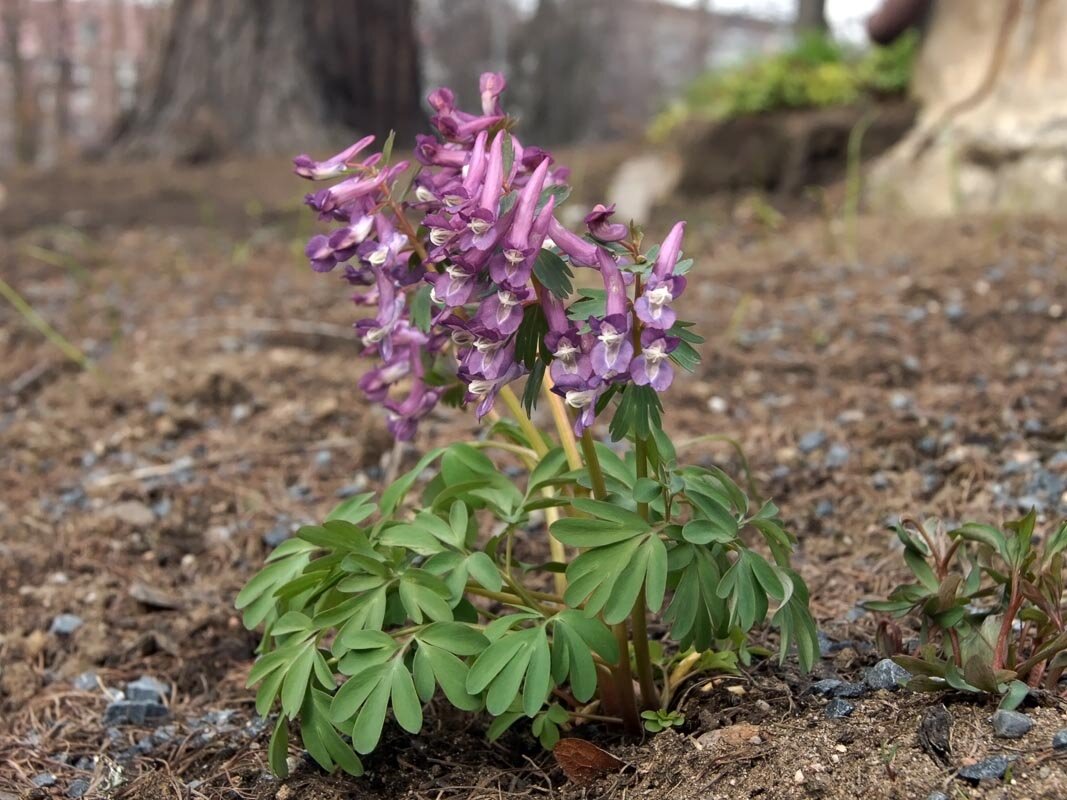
(1011, 724)
(839, 709)
(1059, 740)
(887, 674)
(147, 689)
(134, 712)
(992, 767)
(65, 624)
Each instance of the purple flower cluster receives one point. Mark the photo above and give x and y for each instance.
(486, 209)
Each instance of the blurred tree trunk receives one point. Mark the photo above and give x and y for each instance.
(64, 79)
(24, 109)
(811, 17)
(276, 76)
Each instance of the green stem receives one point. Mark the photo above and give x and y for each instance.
(592, 463)
(623, 676)
(516, 410)
(511, 599)
(642, 655)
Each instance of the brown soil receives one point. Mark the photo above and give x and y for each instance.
(224, 402)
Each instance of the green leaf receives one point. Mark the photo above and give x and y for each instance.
(413, 537)
(295, 684)
(484, 570)
(647, 490)
(353, 510)
(499, 725)
(492, 660)
(530, 334)
(355, 691)
(553, 273)
(550, 466)
(612, 513)
(387, 148)
(451, 675)
(278, 749)
(1014, 696)
(394, 495)
(455, 637)
(367, 729)
(707, 531)
(559, 191)
(407, 709)
(580, 532)
(532, 390)
(421, 308)
(508, 149)
(538, 682)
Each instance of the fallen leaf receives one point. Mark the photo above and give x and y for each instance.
(583, 762)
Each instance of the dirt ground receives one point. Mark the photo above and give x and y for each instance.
(867, 370)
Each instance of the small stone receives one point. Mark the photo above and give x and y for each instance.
(887, 674)
(717, 405)
(134, 712)
(43, 779)
(146, 688)
(240, 412)
(134, 513)
(323, 459)
(937, 796)
(79, 787)
(880, 481)
(798, 776)
(1011, 724)
(1059, 740)
(826, 687)
(65, 624)
(837, 456)
(839, 709)
(992, 767)
(86, 681)
(300, 491)
(850, 690)
(824, 508)
(811, 441)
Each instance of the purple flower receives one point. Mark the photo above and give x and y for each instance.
(320, 253)
(598, 221)
(306, 167)
(577, 249)
(653, 307)
(485, 390)
(453, 287)
(491, 85)
(581, 395)
(431, 152)
(502, 312)
(613, 349)
(652, 367)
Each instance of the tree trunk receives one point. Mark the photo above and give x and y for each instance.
(64, 80)
(811, 17)
(24, 109)
(265, 76)
(992, 136)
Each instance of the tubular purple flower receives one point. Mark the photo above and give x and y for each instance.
(320, 253)
(577, 249)
(476, 165)
(518, 236)
(491, 85)
(614, 285)
(503, 310)
(494, 175)
(581, 395)
(342, 196)
(669, 252)
(652, 367)
(307, 167)
(598, 221)
(431, 152)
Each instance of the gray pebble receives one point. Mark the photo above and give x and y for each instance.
(65, 624)
(134, 712)
(850, 690)
(281, 531)
(1059, 740)
(887, 674)
(992, 767)
(43, 779)
(937, 796)
(837, 456)
(147, 689)
(811, 441)
(78, 788)
(839, 709)
(86, 681)
(1011, 724)
(824, 509)
(826, 687)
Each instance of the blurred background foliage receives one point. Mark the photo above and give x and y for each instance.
(816, 72)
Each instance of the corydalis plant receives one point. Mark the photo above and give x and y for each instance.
(392, 601)
(990, 606)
